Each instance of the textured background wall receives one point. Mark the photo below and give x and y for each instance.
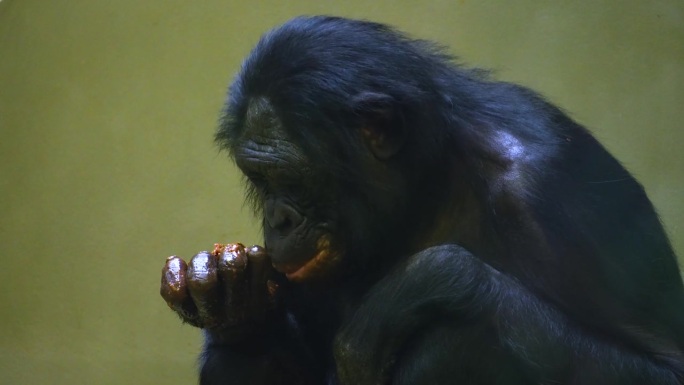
(107, 165)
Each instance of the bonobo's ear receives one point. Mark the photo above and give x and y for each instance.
(382, 125)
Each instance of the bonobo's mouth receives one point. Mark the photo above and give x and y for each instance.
(300, 271)
(314, 267)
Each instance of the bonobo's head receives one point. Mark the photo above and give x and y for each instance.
(321, 120)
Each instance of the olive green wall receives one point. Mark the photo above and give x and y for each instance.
(107, 165)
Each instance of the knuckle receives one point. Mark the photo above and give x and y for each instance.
(173, 283)
(201, 273)
(256, 252)
(232, 261)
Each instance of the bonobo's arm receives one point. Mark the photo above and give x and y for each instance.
(446, 317)
(231, 293)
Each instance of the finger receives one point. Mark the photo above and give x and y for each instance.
(260, 271)
(202, 284)
(174, 289)
(232, 265)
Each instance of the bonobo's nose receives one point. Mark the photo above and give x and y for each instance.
(282, 217)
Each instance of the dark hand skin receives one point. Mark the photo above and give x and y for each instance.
(227, 291)
(232, 294)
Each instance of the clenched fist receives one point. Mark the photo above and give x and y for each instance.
(228, 291)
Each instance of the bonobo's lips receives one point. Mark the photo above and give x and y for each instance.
(302, 270)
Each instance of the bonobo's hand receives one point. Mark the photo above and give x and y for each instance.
(229, 291)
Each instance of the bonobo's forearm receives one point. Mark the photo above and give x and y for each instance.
(440, 284)
(273, 355)
(222, 364)
(447, 285)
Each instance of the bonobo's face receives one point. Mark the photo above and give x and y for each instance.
(297, 200)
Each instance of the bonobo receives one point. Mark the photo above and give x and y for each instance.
(424, 224)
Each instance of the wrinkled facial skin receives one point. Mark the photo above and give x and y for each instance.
(291, 194)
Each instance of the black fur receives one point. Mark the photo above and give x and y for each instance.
(501, 245)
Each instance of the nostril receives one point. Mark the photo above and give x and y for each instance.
(282, 217)
(287, 223)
